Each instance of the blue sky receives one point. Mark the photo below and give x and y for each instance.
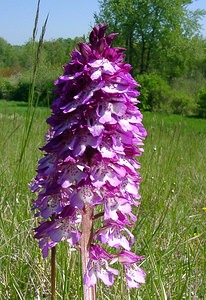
(67, 18)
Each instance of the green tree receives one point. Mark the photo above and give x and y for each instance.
(151, 29)
(7, 55)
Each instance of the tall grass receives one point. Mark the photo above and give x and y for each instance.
(171, 223)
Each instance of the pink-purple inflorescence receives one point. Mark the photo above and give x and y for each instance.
(95, 134)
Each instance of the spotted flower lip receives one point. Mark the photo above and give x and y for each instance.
(100, 270)
(134, 276)
(116, 235)
(90, 159)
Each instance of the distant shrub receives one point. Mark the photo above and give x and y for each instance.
(17, 87)
(6, 88)
(155, 92)
(45, 84)
(158, 95)
(201, 104)
(21, 91)
(182, 103)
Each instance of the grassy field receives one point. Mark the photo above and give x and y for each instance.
(170, 231)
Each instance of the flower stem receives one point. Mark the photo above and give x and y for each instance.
(87, 234)
(53, 273)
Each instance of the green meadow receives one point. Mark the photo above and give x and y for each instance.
(170, 231)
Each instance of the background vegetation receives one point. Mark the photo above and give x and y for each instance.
(16, 64)
(165, 49)
(163, 44)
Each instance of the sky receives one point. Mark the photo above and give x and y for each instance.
(67, 18)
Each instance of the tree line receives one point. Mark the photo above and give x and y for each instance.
(16, 63)
(165, 48)
(163, 44)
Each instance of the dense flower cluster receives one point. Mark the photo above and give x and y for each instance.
(95, 133)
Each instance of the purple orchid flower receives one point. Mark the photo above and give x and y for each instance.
(89, 168)
(98, 267)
